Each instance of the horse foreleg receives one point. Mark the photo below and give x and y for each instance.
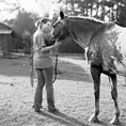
(96, 72)
(114, 95)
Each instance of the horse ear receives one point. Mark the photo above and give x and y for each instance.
(61, 14)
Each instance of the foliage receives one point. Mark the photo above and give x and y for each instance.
(24, 27)
(24, 22)
(26, 41)
(111, 10)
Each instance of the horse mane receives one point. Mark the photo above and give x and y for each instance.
(93, 22)
(88, 19)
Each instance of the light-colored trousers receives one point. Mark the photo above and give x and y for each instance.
(44, 77)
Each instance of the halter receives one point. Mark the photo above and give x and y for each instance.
(62, 24)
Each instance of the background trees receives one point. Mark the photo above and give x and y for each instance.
(106, 10)
(24, 27)
(23, 23)
(110, 10)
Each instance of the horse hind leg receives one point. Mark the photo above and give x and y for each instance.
(114, 95)
(96, 72)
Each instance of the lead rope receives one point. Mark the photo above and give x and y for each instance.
(32, 79)
(32, 68)
(31, 59)
(55, 70)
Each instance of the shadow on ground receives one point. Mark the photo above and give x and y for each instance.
(21, 67)
(63, 119)
(70, 121)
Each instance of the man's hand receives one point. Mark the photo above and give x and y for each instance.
(57, 43)
(30, 60)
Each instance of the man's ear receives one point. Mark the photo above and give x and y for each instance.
(61, 15)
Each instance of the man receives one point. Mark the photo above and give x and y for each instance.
(43, 65)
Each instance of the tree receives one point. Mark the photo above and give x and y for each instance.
(10, 7)
(27, 41)
(110, 10)
(24, 22)
(24, 27)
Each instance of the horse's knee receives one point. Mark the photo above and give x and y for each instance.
(114, 93)
(97, 112)
(96, 93)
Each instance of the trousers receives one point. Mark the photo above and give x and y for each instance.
(44, 78)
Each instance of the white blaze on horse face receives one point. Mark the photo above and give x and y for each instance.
(57, 28)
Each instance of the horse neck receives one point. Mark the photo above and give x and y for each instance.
(83, 30)
(87, 24)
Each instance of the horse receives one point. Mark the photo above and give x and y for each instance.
(106, 52)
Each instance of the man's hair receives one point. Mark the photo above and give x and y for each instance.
(42, 20)
(45, 20)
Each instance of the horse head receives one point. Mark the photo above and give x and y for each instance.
(59, 30)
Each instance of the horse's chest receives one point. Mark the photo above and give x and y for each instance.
(81, 39)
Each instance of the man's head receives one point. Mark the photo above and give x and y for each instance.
(44, 24)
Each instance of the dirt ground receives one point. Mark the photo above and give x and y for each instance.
(73, 95)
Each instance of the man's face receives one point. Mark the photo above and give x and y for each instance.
(46, 27)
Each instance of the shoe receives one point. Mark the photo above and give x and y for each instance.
(52, 110)
(37, 109)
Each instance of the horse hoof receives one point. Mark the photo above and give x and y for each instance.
(115, 121)
(94, 119)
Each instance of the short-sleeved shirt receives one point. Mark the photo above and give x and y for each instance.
(41, 59)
